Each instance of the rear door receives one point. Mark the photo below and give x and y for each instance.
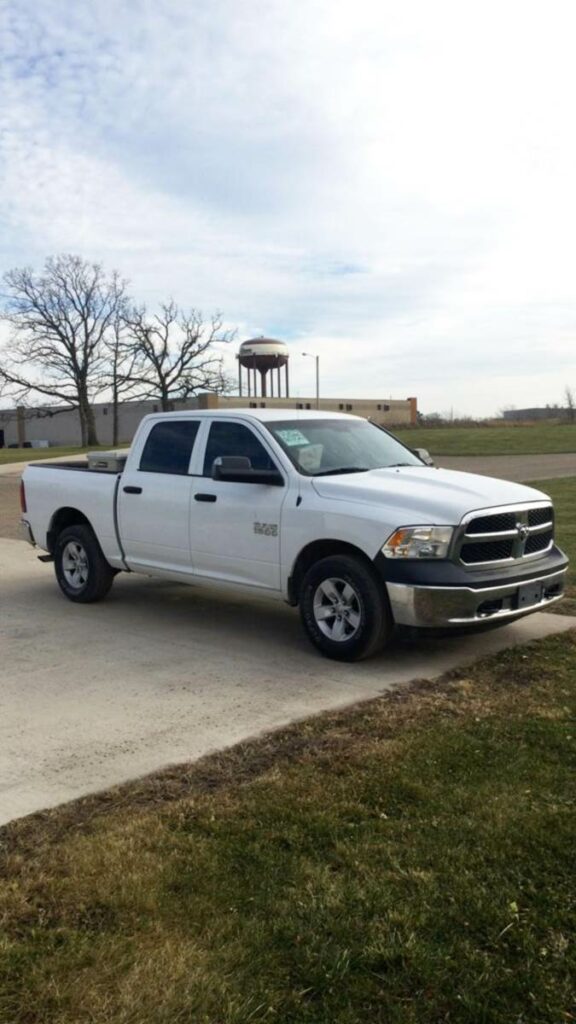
(235, 527)
(154, 499)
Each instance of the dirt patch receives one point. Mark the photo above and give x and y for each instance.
(9, 507)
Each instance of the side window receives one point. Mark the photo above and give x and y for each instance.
(235, 439)
(169, 446)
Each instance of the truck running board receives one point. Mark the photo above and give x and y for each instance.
(45, 558)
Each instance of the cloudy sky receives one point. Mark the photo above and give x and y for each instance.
(389, 185)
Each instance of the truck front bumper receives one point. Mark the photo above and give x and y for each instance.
(441, 607)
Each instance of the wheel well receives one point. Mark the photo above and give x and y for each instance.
(60, 520)
(313, 553)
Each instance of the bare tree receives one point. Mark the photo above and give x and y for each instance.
(176, 354)
(570, 404)
(60, 320)
(125, 368)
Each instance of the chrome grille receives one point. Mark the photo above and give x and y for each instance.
(539, 516)
(510, 534)
(492, 524)
(539, 542)
(489, 551)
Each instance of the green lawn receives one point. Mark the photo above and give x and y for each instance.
(532, 440)
(406, 862)
(9, 455)
(563, 494)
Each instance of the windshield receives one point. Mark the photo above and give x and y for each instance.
(328, 447)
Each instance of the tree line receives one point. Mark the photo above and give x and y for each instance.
(78, 337)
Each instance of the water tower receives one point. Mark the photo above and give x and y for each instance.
(263, 356)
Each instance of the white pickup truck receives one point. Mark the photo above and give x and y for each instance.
(327, 511)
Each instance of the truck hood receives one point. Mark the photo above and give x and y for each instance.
(424, 494)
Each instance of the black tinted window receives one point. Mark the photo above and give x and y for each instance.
(235, 439)
(169, 447)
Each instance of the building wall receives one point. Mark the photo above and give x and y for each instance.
(545, 413)
(385, 411)
(62, 427)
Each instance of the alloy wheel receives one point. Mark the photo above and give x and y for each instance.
(75, 564)
(337, 609)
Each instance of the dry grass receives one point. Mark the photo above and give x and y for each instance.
(408, 861)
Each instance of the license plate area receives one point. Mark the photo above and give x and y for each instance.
(529, 594)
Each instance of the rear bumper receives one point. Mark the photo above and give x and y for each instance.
(26, 532)
(445, 607)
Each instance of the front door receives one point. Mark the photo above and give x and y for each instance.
(154, 500)
(235, 527)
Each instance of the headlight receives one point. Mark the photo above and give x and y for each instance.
(419, 542)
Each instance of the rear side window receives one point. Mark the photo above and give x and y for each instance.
(169, 447)
(235, 439)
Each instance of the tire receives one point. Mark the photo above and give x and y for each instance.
(362, 623)
(82, 572)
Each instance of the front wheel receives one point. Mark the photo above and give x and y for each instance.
(344, 608)
(82, 572)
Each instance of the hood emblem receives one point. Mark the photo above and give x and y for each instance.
(522, 531)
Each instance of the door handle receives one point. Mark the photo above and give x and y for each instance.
(132, 490)
(204, 497)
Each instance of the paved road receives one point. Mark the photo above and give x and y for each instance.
(512, 467)
(161, 673)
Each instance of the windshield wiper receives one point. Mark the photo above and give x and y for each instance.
(343, 469)
(393, 465)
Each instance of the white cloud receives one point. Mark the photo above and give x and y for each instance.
(389, 185)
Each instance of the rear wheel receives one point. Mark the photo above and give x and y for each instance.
(344, 608)
(82, 572)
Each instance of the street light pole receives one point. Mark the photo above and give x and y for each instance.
(317, 358)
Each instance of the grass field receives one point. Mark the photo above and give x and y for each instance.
(533, 440)
(9, 455)
(406, 862)
(563, 494)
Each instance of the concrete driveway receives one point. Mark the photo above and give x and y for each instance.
(161, 673)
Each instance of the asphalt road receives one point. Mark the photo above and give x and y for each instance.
(160, 674)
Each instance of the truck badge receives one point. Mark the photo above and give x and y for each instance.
(266, 529)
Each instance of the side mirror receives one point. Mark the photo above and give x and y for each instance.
(424, 455)
(237, 469)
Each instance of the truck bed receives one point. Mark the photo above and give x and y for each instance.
(55, 486)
